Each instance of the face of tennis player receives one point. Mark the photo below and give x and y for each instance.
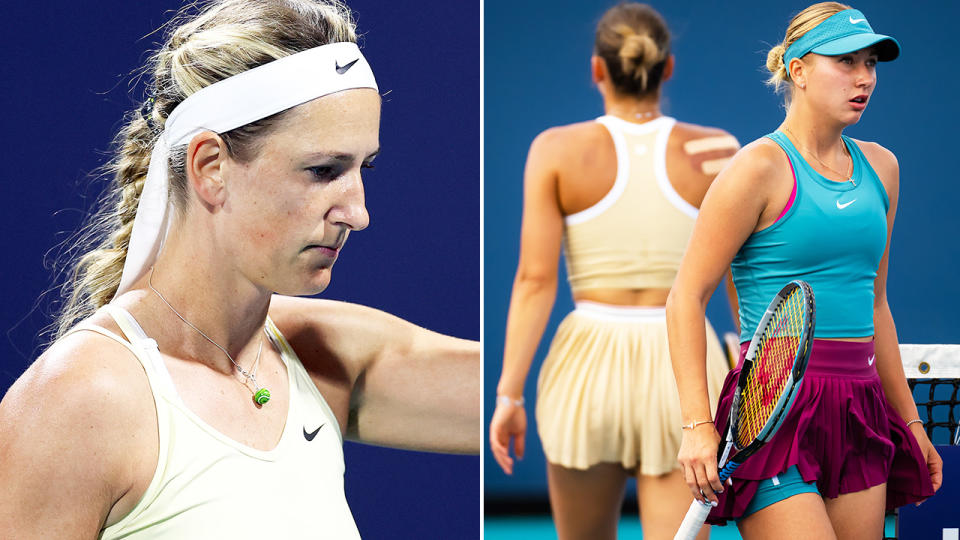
(296, 202)
(840, 86)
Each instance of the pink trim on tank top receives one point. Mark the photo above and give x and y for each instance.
(793, 194)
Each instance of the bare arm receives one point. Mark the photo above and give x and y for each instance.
(421, 392)
(73, 437)
(699, 154)
(886, 344)
(735, 205)
(534, 292)
(733, 299)
(388, 381)
(535, 284)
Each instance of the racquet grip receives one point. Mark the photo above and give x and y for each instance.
(697, 514)
(727, 470)
(693, 521)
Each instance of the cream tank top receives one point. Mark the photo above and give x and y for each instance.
(635, 236)
(209, 486)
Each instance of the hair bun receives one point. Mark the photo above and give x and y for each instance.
(634, 43)
(638, 53)
(775, 59)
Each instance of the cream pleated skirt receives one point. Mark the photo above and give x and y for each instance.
(606, 391)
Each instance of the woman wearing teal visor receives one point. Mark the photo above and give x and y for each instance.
(807, 202)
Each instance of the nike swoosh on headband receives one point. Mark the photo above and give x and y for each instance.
(343, 69)
(228, 104)
(855, 21)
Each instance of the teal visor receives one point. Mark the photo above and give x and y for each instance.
(842, 33)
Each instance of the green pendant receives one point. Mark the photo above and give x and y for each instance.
(262, 396)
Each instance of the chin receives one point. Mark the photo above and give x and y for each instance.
(311, 285)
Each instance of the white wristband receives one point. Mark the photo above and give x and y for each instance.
(507, 400)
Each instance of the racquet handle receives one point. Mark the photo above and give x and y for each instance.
(697, 514)
(693, 521)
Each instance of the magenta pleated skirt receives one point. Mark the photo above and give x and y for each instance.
(840, 433)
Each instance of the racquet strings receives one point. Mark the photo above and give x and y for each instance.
(774, 359)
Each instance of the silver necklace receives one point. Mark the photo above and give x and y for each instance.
(261, 395)
(637, 115)
(849, 177)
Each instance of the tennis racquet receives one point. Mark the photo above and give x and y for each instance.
(769, 381)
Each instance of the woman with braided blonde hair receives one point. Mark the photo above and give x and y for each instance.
(620, 194)
(188, 397)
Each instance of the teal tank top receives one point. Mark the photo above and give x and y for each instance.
(832, 236)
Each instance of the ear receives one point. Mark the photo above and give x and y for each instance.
(598, 69)
(668, 69)
(206, 154)
(797, 71)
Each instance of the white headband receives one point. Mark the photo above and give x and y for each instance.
(228, 104)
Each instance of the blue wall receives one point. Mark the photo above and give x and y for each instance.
(536, 61)
(64, 89)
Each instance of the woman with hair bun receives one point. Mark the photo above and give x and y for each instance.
(806, 202)
(186, 395)
(620, 193)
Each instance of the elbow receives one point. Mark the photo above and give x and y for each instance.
(681, 298)
(535, 280)
(671, 304)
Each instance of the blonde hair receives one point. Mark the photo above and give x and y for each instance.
(801, 23)
(204, 43)
(634, 42)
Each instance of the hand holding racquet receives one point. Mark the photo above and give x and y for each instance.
(768, 383)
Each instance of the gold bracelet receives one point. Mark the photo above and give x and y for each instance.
(914, 421)
(692, 425)
(507, 400)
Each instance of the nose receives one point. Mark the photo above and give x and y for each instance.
(866, 76)
(350, 209)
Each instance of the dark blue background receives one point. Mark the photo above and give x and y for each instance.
(64, 87)
(536, 62)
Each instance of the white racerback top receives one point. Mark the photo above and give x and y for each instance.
(635, 236)
(207, 485)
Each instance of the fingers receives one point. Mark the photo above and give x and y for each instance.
(698, 457)
(691, 479)
(705, 484)
(499, 446)
(701, 486)
(508, 424)
(935, 466)
(501, 453)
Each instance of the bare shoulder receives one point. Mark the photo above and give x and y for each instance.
(764, 154)
(556, 142)
(695, 155)
(756, 162)
(296, 314)
(333, 331)
(882, 160)
(685, 131)
(84, 378)
(75, 426)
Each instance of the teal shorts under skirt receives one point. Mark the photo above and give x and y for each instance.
(778, 488)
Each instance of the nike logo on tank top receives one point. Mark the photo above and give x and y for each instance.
(832, 237)
(207, 485)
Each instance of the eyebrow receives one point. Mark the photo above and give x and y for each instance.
(340, 156)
